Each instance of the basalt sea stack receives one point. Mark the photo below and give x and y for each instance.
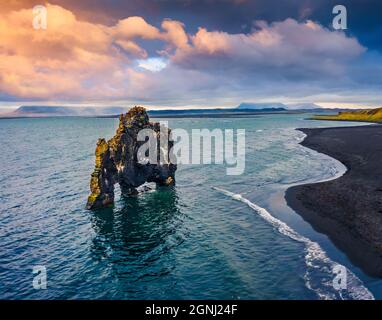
(117, 160)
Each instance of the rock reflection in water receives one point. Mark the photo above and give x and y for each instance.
(135, 239)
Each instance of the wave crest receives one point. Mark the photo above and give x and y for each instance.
(318, 276)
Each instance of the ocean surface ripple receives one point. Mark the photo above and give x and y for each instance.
(316, 260)
(186, 242)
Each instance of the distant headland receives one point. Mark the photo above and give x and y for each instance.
(371, 115)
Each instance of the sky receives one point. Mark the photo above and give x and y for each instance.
(190, 53)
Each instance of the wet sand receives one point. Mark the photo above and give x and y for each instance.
(348, 209)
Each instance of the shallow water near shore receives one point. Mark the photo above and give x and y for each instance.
(187, 242)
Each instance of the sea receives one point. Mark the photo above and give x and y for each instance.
(212, 236)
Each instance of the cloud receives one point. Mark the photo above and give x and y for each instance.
(54, 62)
(131, 47)
(133, 60)
(286, 47)
(153, 64)
(134, 27)
(175, 34)
(74, 59)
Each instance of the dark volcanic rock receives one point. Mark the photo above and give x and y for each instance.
(117, 160)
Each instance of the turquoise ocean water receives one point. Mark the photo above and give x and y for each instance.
(213, 236)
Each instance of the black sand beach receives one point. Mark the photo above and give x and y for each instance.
(348, 209)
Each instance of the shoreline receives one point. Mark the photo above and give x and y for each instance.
(347, 209)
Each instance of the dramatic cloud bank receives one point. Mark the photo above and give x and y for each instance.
(307, 47)
(134, 60)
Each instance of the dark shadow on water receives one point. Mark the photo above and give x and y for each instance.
(135, 240)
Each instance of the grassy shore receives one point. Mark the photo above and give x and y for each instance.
(372, 115)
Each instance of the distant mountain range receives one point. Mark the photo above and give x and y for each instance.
(242, 109)
(261, 106)
(46, 111)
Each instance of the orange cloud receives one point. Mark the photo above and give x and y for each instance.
(52, 62)
(73, 58)
(80, 60)
(134, 27)
(175, 33)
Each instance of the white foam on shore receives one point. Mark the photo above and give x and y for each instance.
(337, 168)
(319, 265)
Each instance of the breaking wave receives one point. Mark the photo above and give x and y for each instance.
(319, 272)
